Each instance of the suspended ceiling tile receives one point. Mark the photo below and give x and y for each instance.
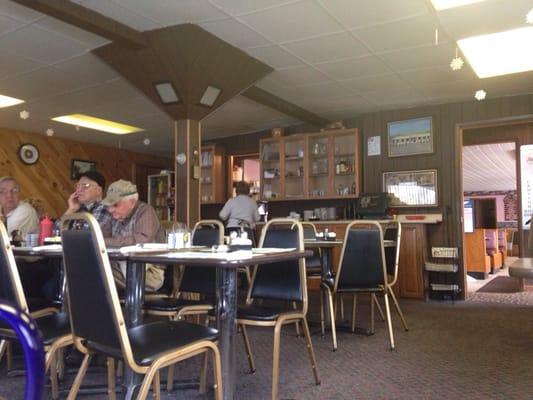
(327, 48)
(297, 76)
(235, 33)
(12, 64)
(300, 20)
(238, 7)
(8, 24)
(323, 105)
(411, 32)
(420, 57)
(90, 40)
(428, 76)
(450, 90)
(357, 67)
(172, 12)
(401, 97)
(376, 82)
(42, 45)
(21, 13)
(324, 89)
(352, 14)
(87, 69)
(275, 56)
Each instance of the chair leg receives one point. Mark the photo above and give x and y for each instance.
(3, 345)
(248, 348)
(170, 378)
(149, 377)
(397, 305)
(73, 394)
(275, 360)
(9, 356)
(354, 306)
(341, 300)
(310, 350)
(294, 306)
(203, 375)
(373, 300)
(380, 310)
(389, 321)
(111, 383)
(157, 385)
(53, 375)
(217, 373)
(332, 318)
(322, 324)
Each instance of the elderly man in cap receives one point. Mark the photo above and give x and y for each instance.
(133, 222)
(17, 215)
(88, 197)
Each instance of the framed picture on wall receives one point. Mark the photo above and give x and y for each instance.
(80, 166)
(410, 137)
(412, 188)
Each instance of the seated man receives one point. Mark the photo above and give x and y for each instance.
(16, 214)
(88, 197)
(133, 222)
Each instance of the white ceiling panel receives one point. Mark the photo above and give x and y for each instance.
(275, 56)
(411, 32)
(8, 24)
(294, 21)
(235, 33)
(297, 76)
(357, 14)
(337, 46)
(14, 10)
(354, 68)
(12, 64)
(428, 76)
(420, 57)
(90, 40)
(87, 69)
(239, 7)
(394, 97)
(376, 82)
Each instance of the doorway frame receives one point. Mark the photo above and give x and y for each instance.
(460, 127)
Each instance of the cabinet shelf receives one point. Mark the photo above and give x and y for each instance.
(211, 189)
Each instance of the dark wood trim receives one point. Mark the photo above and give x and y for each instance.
(88, 20)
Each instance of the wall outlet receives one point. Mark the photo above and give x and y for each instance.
(444, 252)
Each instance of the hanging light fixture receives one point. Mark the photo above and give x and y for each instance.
(457, 63)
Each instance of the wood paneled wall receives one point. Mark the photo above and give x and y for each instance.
(49, 179)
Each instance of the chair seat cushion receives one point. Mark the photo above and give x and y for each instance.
(170, 304)
(150, 341)
(51, 327)
(262, 313)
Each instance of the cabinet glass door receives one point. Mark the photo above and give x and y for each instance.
(206, 178)
(270, 170)
(294, 169)
(345, 164)
(318, 150)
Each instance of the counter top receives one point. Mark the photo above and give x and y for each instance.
(403, 218)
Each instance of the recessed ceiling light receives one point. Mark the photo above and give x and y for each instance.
(499, 53)
(480, 95)
(6, 101)
(210, 95)
(445, 4)
(166, 92)
(97, 123)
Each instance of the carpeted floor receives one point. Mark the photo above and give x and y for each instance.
(476, 349)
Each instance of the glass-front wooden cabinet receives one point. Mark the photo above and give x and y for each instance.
(310, 166)
(161, 195)
(211, 182)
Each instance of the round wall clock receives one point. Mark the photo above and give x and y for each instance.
(29, 153)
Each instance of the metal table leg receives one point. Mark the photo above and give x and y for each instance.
(226, 325)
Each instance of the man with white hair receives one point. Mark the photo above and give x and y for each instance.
(17, 215)
(133, 222)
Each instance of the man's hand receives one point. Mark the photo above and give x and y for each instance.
(73, 203)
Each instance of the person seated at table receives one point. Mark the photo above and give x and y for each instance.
(16, 214)
(88, 197)
(240, 210)
(134, 222)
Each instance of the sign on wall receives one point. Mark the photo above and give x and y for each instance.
(526, 173)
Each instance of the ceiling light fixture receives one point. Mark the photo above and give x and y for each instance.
(529, 17)
(480, 95)
(146, 141)
(457, 63)
(97, 123)
(445, 4)
(210, 95)
(499, 53)
(6, 101)
(166, 92)
(24, 114)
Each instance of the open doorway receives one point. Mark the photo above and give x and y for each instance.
(491, 212)
(244, 167)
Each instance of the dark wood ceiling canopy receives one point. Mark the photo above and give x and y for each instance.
(186, 55)
(192, 59)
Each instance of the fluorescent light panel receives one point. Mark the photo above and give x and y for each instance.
(166, 92)
(499, 53)
(6, 101)
(210, 96)
(445, 4)
(98, 124)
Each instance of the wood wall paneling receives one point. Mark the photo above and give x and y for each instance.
(49, 179)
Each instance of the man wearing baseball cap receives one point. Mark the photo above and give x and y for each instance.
(88, 197)
(134, 222)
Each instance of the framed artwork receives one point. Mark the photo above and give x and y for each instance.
(410, 137)
(412, 188)
(80, 166)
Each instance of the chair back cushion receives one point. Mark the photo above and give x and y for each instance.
(390, 252)
(91, 309)
(281, 280)
(361, 265)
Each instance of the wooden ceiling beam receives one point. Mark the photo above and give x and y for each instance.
(268, 99)
(88, 20)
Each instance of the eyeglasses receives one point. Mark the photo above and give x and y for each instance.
(12, 191)
(84, 185)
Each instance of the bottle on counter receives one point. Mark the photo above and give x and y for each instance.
(45, 229)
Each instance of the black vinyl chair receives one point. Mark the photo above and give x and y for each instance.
(362, 269)
(98, 325)
(313, 264)
(54, 327)
(274, 289)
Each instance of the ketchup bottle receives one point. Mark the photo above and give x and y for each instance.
(45, 229)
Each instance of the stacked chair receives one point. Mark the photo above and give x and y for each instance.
(274, 290)
(98, 325)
